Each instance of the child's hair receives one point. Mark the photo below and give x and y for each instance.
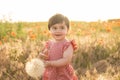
(58, 18)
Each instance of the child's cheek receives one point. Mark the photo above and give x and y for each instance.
(65, 32)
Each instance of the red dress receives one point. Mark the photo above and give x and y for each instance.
(55, 52)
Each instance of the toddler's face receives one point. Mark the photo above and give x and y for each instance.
(59, 31)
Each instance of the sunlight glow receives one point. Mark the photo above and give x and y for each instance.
(42, 10)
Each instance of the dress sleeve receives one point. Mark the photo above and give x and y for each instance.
(67, 44)
(45, 49)
(74, 44)
(46, 46)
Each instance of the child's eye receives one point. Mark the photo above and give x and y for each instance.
(62, 27)
(54, 28)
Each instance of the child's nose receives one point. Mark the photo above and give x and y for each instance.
(58, 30)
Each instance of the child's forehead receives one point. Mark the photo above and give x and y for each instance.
(59, 24)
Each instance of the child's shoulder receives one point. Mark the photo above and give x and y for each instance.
(71, 42)
(49, 42)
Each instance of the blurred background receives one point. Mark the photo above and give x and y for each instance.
(77, 10)
(95, 26)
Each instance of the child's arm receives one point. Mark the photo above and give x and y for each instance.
(67, 56)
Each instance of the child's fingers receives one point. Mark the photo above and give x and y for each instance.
(47, 63)
(43, 56)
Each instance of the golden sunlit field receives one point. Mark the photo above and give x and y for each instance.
(97, 56)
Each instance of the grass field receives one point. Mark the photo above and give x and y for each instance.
(97, 56)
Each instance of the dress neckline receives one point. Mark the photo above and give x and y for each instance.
(62, 41)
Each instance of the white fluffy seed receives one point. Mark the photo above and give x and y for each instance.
(35, 68)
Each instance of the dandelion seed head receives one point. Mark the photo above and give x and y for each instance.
(35, 68)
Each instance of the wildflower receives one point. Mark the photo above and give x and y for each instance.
(108, 29)
(101, 42)
(32, 36)
(45, 31)
(48, 34)
(0, 42)
(30, 32)
(13, 34)
(93, 29)
(4, 38)
(72, 24)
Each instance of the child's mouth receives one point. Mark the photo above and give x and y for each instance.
(58, 35)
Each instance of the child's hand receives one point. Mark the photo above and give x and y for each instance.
(43, 56)
(47, 63)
